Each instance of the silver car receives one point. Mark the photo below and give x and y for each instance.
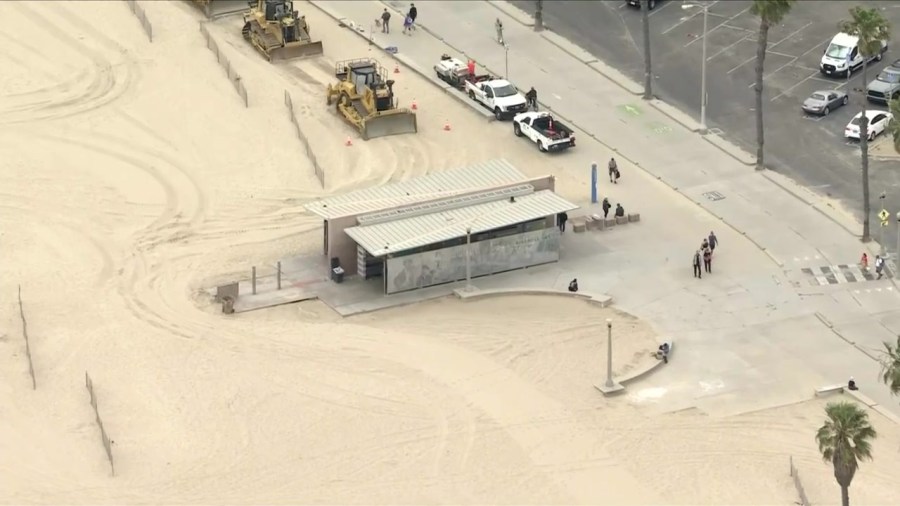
(823, 102)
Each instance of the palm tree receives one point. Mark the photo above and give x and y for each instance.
(648, 69)
(894, 126)
(890, 365)
(873, 31)
(539, 15)
(845, 440)
(770, 12)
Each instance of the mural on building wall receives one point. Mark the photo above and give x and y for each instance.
(488, 257)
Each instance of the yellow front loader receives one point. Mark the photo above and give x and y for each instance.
(279, 32)
(365, 98)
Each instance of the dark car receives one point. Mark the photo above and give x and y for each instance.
(823, 102)
(637, 3)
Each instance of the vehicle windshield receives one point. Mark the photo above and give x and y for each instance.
(889, 77)
(855, 121)
(505, 91)
(836, 51)
(818, 96)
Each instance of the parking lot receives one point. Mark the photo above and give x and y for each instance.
(810, 149)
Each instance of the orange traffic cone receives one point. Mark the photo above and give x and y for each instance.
(396, 68)
(447, 125)
(415, 106)
(349, 142)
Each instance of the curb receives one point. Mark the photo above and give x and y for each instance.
(640, 374)
(456, 94)
(598, 299)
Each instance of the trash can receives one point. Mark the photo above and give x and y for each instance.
(337, 274)
(227, 305)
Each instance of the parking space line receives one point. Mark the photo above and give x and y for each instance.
(792, 88)
(748, 60)
(773, 72)
(685, 20)
(726, 48)
(717, 26)
(661, 8)
(738, 28)
(792, 34)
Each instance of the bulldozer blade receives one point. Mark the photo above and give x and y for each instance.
(297, 51)
(390, 124)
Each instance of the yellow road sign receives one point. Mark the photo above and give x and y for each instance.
(884, 215)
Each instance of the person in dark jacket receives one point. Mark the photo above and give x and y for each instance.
(385, 21)
(573, 285)
(613, 170)
(620, 211)
(561, 220)
(412, 14)
(531, 98)
(707, 260)
(713, 241)
(698, 272)
(606, 207)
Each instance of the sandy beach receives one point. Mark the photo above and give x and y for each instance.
(133, 178)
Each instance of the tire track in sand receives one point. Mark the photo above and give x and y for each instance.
(101, 85)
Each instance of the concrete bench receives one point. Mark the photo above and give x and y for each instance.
(828, 390)
(621, 220)
(634, 218)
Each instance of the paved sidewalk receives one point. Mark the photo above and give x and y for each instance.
(833, 329)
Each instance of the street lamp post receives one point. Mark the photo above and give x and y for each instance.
(883, 249)
(705, 8)
(468, 259)
(609, 380)
(897, 261)
(506, 48)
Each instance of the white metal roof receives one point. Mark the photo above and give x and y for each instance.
(478, 177)
(393, 236)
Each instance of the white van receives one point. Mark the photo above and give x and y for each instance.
(842, 55)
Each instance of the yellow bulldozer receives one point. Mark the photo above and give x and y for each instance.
(278, 31)
(364, 96)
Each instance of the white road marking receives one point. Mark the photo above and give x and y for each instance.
(838, 275)
(822, 280)
(660, 8)
(738, 28)
(557, 97)
(795, 32)
(684, 20)
(748, 60)
(726, 48)
(792, 88)
(717, 26)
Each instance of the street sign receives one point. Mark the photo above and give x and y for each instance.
(884, 215)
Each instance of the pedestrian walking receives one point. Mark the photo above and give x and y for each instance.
(606, 207)
(498, 25)
(704, 244)
(620, 211)
(864, 262)
(707, 260)
(698, 273)
(879, 266)
(613, 170)
(412, 14)
(713, 241)
(407, 25)
(561, 220)
(385, 21)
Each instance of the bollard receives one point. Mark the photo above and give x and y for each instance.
(279, 275)
(593, 183)
(254, 280)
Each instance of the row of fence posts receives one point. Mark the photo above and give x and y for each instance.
(233, 76)
(27, 344)
(289, 104)
(142, 17)
(107, 443)
(795, 475)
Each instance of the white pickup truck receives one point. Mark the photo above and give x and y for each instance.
(548, 133)
(499, 96)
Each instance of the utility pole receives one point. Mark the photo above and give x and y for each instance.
(539, 16)
(648, 67)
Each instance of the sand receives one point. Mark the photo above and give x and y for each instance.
(132, 178)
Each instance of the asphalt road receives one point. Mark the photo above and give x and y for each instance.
(811, 150)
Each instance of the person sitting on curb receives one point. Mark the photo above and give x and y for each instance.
(573, 285)
(851, 385)
(620, 211)
(664, 352)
